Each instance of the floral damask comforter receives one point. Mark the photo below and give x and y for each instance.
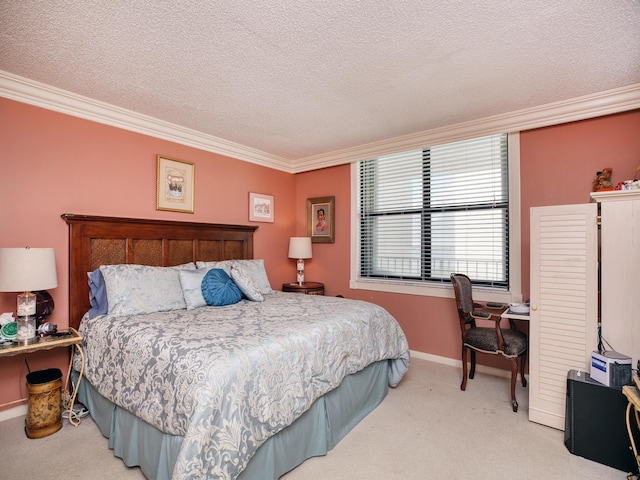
(227, 378)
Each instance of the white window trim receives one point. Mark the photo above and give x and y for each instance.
(445, 290)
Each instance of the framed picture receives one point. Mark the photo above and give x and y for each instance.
(261, 208)
(174, 188)
(321, 219)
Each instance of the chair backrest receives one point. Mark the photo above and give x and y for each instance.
(462, 289)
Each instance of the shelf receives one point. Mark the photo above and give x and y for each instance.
(40, 343)
(615, 195)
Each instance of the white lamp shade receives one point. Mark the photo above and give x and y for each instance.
(27, 269)
(300, 247)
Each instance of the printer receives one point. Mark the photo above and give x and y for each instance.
(611, 368)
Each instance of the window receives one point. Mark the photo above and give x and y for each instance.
(428, 212)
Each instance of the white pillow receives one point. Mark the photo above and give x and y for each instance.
(254, 268)
(246, 284)
(138, 289)
(224, 265)
(191, 282)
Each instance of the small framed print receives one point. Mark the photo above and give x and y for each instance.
(175, 183)
(261, 207)
(321, 219)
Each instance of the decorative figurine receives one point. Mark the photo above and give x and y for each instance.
(602, 182)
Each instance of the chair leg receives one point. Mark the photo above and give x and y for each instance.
(523, 362)
(514, 375)
(473, 364)
(463, 385)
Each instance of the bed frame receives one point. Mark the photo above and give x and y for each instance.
(95, 241)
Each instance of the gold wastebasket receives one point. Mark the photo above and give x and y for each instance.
(44, 409)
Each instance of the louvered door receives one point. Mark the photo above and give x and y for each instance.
(620, 270)
(564, 303)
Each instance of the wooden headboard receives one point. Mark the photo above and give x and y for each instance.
(95, 241)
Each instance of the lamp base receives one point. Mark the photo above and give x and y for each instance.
(26, 329)
(26, 304)
(300, 267)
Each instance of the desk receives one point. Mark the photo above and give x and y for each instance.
(48, 343)
(515, 316)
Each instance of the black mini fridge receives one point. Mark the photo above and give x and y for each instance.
(595, 423)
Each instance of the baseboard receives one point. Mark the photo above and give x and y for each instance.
(19, 411)
(452, 362)
(546, 418)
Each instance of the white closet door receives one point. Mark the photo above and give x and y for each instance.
(564, 293)
(620, 271)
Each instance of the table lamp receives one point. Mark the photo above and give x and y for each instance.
(300, 248)
(27, 270)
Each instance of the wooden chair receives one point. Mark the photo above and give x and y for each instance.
(509, 343)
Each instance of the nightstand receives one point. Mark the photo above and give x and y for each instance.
(309, 288)
(72, 339)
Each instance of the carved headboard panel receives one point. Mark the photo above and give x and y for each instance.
(95, 241)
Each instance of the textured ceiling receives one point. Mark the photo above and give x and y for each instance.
(300, 79)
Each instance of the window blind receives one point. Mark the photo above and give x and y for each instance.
(428, 212)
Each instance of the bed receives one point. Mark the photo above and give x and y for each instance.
(242, 390)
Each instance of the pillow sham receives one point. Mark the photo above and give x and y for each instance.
(97, 294)
(256, 270)
(223, 264)
(218, 289)
(138, 289)
(246, 284)
(191, 283)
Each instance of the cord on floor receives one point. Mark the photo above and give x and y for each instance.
(76, 413)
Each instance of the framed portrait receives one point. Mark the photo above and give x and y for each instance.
(321, 219)
(261, 207)
(174, 188)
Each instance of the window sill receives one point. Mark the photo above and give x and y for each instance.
(429, 290)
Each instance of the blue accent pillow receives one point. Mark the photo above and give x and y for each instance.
(97, 294)
(218, 289)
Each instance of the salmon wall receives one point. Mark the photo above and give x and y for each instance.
(558, 165)
(53, 163)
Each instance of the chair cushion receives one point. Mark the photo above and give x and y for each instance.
(485, 339)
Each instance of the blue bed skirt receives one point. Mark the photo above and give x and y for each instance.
(316, 432)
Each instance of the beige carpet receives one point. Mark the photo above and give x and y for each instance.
(426, 428)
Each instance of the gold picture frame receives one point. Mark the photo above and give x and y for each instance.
(261, 207)
(321, 219)
(175, 185)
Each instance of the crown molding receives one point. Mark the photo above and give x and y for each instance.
(580, 108)
(41, 95)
